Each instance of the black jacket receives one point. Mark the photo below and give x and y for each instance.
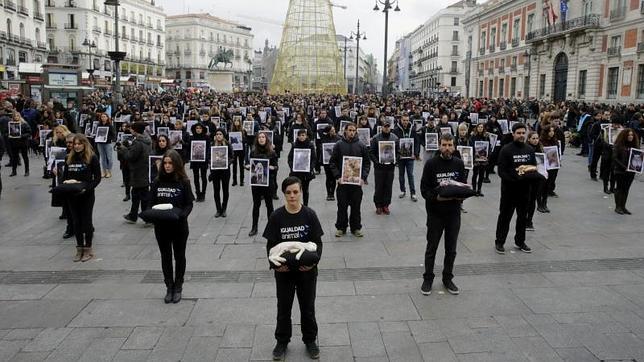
(511, 156)
(78, 170)
(137, 158)
(304, 176)
(353, 148)
(374, 151)
(434, 171)
(177, 193)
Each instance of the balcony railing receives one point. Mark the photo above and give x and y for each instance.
(482, 51)
(614, 51)
(455, 53)
(3, 35)
(159, 27)
(492, 48)
(515, 42)
(160, 44)
(96, 7)
(187, 52)
(202, 53)
(108, 32)
(148, 25)
(513, 67)
(124, 36)
(618, 13)
(9, 5)
(150, 42)
(51, 26)
(97, 29)
(453, 71)
(577, 24)
(38, 15)
(501, 70)
(70, 4)
(23, 10)
(11, 61)
(503, 45)
(42, 45)
(480, 72)
(490, 71)
(640, 47)
(71, 26)
(50, 4)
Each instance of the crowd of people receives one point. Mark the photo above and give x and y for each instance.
(154, 134)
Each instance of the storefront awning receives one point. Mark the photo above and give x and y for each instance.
(34, 68)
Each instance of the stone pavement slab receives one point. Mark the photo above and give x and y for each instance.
(133, 313)
(38, 313)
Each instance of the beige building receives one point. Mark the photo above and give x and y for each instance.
(195, 39)
(72, 24)
(536, 48)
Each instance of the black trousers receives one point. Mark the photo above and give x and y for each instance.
(318, 155)
(69, 219)
(139, 197)
(551, 182)
(597, 154)
(288, 284)
(305, 191)
(623, 182)
(16, 152)
(478, 174)
(261, 193)
(534, 195)
(384, 182)
(330, 181)
(221, 182)
(348, 196)
(172, 237)
(606, 172)
(81, 208)
(513, 199)
(200, 179)
(238, 160)
(125, 171)
(437, 223)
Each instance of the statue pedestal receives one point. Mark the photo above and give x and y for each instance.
(221, 80)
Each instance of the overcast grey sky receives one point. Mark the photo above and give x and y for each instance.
(264, 16)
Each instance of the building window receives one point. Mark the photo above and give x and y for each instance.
(480, 88)
(455, 35)
(202, 75)
(530, 22)
(501, 87)
(188, 74)
(107, 65)
(504, 32)
(613, 78)
(482, 45)
(515, 29)
(456, 21)
(640, 81)
(581, 91)
(490, 88)
(526, 87)
(177, 74)
(542, 85)
(453, 83)
(454, 67)
(22, 57)
(513, 87)
(493, 37)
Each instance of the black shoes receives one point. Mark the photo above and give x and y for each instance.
(67, 234)
(168, 296)
(176, 294)
(223, 214)
(553, 194)
(486, 180)
(313, 350)
(529, 227)
(126, 198)
(234, 183)
(524, 248)
(499, 249)
(218, 214)
(129, 219)
(279, 352)
(426, 288)
(275, 197)
(14, 173)
(451, 287)
(252, 232)
(26, 173)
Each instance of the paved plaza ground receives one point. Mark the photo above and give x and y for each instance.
(578, 297)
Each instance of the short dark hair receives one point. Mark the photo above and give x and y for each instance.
(447, 137)
(517, 126)
(291, 180)
(138, 127)
(301, 131)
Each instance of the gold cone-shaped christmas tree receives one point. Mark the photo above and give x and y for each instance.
(309, 58)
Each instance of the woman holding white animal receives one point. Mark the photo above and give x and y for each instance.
(171, 194)
(294, 247)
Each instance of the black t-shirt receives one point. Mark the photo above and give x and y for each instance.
(177, 193)
(284, 226)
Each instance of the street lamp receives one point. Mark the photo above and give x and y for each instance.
(358, 35)
(387, 5)
(116, 55)
(90, 67)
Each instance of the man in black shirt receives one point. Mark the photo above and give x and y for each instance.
(516, 163)
(442, 214)
(294, 222)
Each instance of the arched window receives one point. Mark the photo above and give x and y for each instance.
(9, 32)
(22, 30)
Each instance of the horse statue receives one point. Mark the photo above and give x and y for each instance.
(223, 56)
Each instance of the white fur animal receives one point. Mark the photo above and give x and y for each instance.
(276, 252)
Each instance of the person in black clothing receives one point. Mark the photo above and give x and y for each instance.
(349, 195)
(626, 140)
(443, 215)
(162, 145)
(262, 149)
(329, 136)
(199, 168)
(238, 156)
(492, 126)
(480, 164)
(125, 170)
(383, 169)
(82, 165)
(294, 222)
(302, 142)
(322, 119)
(606, 170)
(537, 187)
(597, 142)
(20, 145)
(406, 165)
(172, 186)
(136, 154)
(516, 160)
(221, 178)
